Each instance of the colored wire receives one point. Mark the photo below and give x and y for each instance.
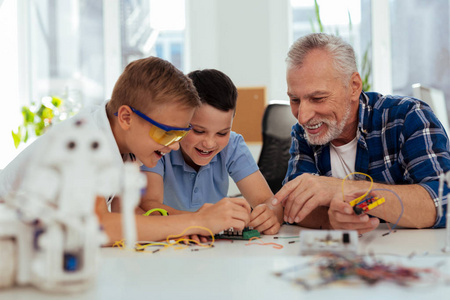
(401, 204)
(275, 245)
(333, 267)
(368, 191)
(285, 237)
(162, 211)
(170, 242)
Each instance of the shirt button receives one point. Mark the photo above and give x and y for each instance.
(192, 175)
(196, 190)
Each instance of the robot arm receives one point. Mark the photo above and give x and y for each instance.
(133, 183)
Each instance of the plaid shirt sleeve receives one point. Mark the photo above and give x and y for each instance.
(413, 147)
(425, 152)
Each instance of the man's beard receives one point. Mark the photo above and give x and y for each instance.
(334, 130)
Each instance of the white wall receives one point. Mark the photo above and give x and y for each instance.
(247, 40)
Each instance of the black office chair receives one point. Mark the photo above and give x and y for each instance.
(276, 133)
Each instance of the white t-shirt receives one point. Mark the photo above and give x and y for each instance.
(10, 177)
(343, 159)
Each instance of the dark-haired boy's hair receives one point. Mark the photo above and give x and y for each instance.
(215, 89)
(149, 82)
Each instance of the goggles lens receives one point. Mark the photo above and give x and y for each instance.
(166, 138)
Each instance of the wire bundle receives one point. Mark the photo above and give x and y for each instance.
(333, 267)
(369, 190)
(178, 241)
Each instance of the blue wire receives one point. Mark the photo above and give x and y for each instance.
(399, 200)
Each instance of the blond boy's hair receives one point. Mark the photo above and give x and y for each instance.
(149, 82)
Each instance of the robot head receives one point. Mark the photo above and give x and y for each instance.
(73, 142)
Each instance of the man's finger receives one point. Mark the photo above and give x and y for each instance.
(285, 191)
(341, 207)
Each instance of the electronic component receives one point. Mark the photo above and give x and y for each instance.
(232, 234)
(366, 204)
(336, 241)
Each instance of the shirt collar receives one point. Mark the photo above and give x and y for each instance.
(364, 110)
(178, 159)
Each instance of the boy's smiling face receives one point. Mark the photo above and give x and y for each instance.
(209, 135)
(138, 140)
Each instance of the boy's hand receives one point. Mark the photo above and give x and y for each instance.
(227, 213)
(264, 220)
(342, 216)
(199, 238)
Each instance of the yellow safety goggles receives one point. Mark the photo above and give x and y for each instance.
(163, 134)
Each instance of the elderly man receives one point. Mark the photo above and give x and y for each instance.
(398, 141)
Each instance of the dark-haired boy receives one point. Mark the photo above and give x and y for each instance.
(196, 176)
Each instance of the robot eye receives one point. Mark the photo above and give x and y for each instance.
(94, 145)
(71, 145)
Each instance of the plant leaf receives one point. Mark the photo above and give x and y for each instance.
(28, 115)
(27, 135)
(317, 10)
(16, 137)
(56, 101)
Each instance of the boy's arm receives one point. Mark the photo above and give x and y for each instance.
(154, 195)
(265, 218)
(229, 212)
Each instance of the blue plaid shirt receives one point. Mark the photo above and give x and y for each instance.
(401, 142)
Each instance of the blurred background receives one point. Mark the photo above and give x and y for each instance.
(74, 50)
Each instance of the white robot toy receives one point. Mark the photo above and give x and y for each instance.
(50, 236)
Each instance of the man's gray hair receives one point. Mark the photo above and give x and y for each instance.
(342, 53)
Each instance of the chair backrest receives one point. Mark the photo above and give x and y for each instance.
(435, 99)
(276, 132)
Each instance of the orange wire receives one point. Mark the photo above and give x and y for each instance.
(275, 245)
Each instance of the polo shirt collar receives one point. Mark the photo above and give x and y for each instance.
(178, 159)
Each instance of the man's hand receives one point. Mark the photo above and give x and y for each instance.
(227, 213)
(303, 194)
(264, 220)
(342, 216)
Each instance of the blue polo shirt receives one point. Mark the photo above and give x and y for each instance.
(185, 189)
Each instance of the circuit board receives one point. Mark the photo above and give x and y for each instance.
(336, 241)
(231, 234)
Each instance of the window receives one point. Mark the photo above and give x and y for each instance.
(349, 19)
(420, 33)
(153, 27)
(77, 49)
(9, 79)
(68, 50)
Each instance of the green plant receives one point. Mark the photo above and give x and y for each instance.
(37, 118)
(366, 62)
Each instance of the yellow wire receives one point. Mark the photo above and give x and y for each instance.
(368, 191)
(121, 245)
(190, 240)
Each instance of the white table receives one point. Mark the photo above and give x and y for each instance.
(236, 271)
